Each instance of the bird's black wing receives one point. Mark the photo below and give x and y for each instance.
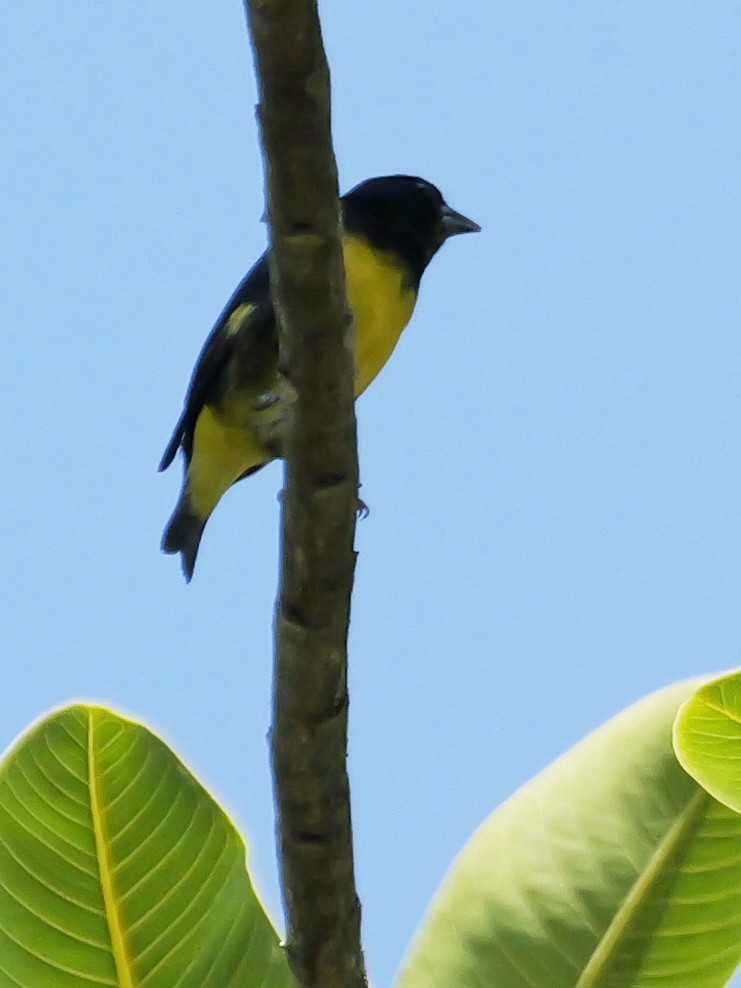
(254, 289)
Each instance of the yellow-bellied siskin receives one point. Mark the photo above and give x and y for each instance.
(231, 422)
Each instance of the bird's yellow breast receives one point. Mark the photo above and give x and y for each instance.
(382, 304)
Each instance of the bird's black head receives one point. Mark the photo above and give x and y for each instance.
(404, 215)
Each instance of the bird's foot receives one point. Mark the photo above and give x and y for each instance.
(265, 401)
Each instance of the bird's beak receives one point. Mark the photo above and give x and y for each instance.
(454, 223)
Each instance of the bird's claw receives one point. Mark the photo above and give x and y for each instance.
(361, 508)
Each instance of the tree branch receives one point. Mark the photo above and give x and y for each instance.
(309, 732)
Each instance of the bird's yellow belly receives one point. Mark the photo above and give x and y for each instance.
(382, 305)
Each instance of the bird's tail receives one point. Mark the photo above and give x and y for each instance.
(183, 534)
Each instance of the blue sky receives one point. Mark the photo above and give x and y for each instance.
(551, 459)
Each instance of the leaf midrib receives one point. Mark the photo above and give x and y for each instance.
(593, 973)
(121, 958)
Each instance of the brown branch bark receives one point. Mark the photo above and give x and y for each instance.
(310, 703)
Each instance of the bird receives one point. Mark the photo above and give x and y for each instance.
(230, 426)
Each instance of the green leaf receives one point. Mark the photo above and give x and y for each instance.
(611, 869)
(707, 738)
(118, 868)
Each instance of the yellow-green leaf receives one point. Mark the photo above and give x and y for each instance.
(611, 869)
(707, 738)
(118, 869)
